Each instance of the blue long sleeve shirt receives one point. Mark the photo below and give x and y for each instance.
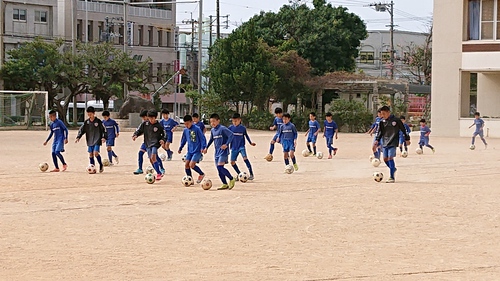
(239, 135)
(220, 135)
(111, 127)
(287, 132)
(330, 128)
(195, 139)
(58, 130)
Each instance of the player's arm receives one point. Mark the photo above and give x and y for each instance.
(229, 136)
(202, 139)
(308, 130)
(209, 142)
(162, 135)
(81, 132)
(139, 131)
(402, 129)
(248, 138)
(49, 137)
(183, 142)
(104, 132)
(117, 129)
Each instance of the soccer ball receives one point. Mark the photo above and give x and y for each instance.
(105, 162)
(320, 155)
(91, 169)
(43, 167)
(404, 154)
(289, 169)
(378, 176)
(371, 158)
(150, 178)
(150, 170)
(472, 147)
(305, 152)
(243, 177)
(375, 162)
(269, 158)
(184, 158)
(187, 181)
(206, 184)
(419, 151)
(163, 156)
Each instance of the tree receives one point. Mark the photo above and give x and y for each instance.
(419, 60)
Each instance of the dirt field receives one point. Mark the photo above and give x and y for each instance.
(328, 221)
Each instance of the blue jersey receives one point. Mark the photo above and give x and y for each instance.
(330, 128)
(408, 131)
(287, 132)
(313, 127)
(220, 135)
(169, 125)
(424, 130)
(111, 127)
(376, 124)
(278, 122)
(58, 130)
(479, 124)
(239, 135)
(200, 125)
(195, 139)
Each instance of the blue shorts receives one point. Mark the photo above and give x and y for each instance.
(287, 145)
(195, 157)
(424, 141)
(151, 151)
(390, 152)
(221, 159)
(275, 137)
(312, 138)
(480, 134)
(110, 142)
(236, 152)
(170, 137)
(58, 146)
(95, 148)
(143, 147)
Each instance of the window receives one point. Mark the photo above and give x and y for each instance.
(150, 36)
(484, 20)
(19, 14)
(41, 16)
(386, 56)
(160, 38)
(366, 57)
(141, 35)
(159, 72)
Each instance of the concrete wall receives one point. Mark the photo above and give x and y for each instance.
(488, 94)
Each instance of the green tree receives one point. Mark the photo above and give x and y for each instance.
(419, 60)
(352, 114)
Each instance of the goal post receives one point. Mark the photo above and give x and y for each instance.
(24, 108)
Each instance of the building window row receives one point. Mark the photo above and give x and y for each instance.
(369, 57)
(484, 20)
(21, 15)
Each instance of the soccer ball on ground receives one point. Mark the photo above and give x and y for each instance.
(43, 167)
(378, 176)
(269, 157)
(404, 154)
(419, 151)
(376, 162)
(243, 177)
(206, 184)
(150, 170)
(472, 147)
(105, 162)
(184, 158)
(91, 169)
(187, 181)
(320, 155)
(150, 178)
(305, 152)
(371, 158)
(289, 169)
(163, 156)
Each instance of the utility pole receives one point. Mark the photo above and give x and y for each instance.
(218, 18)
(200, 45)
(388, 7)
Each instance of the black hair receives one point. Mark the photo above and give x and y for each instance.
(152, 113)
(328, 114)
(165, 111)
(215, 116)
(188, 118)
(378, 111)
(287, 115)
(236, 115)
(477, 114)
(313, 114)
(51, 112)
(402, 117)
(105, 113)
(91, 109)
(422, 120)
(278, 110)
(195, 115)
(143, 113)
(385, 108)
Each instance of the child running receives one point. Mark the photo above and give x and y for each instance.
(330, 130)
(113, 131)
(312, 133)
(221, 137)
(238, 145)
(424, 136)
(95, 136)
(287, 135)
(60, 133)
(278, 121)
(169, 125)
(198, 123)
(479, 129)
(194, 137)
(402, 141)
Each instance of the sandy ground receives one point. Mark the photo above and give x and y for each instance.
(328, 221)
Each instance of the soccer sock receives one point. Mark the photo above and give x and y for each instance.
(222, 176)
(188, 172)
(406, 147)
(59, 155)
(249, 166)
(484, 141)
(400, 148)
(287, 161)
(293, 160)
(314, 147)
(473, 141)
(110, 156)
(169, 153)
(379, 152)
(271, 148)
(430, 146)
(157, 167)
(198, 170)
(141, 159)
(420, 146)
(392, 167)
(376, 154)
(330, 149)
(160, 163)
(387, 163)
(54, 159)
(235, 167)
(99, 160)
(308, 147)
(227, 173)
(113, 153)
(92, 162)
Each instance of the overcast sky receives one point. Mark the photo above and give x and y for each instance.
(409, 15)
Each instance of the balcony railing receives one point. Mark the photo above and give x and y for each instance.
(117, 9)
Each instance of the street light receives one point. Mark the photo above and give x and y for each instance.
(388, 7)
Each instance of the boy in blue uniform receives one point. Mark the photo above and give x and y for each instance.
(377, 150)
(312, 133)
(154, 137)
(169, 125)
(424, 136)
(198, 123)
(60, 133)
(388, 134)
(238, 145)
(479, 123)
(194, 137)
(402, 141)
(330, 130)
(278, 121)
(113, 132)
(221, 137)
(287, 135)
(95, 136)
(142, 149)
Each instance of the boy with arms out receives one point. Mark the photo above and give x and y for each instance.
(113, 131)
(238, 144)
(287, 135)
(169, 126)
(221, 137)
(198, 123)
(388, 133)
(479, 129)
(196, 144)
(402, 141)
(154, 137)
(424, 136)
(312, 133)
(278, 121)
(60, 133)
(95, 136)
(330, 130)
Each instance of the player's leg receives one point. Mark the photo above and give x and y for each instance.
(234, 157)
(294, 160)
(140, 159)
(224, 173)
(91, 155)
(243, 152)
(308, 143)
(170, 153)
(313, 140)
(153, 158)
(54, 157)
(187, 165)
(481, 135)
(58, 150)
(474, 138)
(109, 149)
(389, 154)
(98, 157)
(195, 158)
(428, 145)
(271, 146)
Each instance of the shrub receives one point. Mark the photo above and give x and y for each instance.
(351, 115)
(259, 120)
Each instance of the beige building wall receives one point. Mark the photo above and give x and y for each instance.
(488, 94)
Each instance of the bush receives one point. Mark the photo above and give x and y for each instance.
(259, 120)
(301, 122)
(352, 115)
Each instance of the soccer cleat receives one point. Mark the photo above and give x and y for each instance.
(330, 156)
(117, 160)
(314, 154)
(232, 183)
(251, 178)
(55, 171)
(486, 146)
(138, 172)
(65, 167)
(111, 164)
(169, 158)
(101, 168)
(391, 180)
(433, 150)
(158, 177)
(335, 151)
(296, 167)
(162, 171)
(200, 178)
(223, 187)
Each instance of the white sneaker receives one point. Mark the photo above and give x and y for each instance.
(391, 180)
(116, 160)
